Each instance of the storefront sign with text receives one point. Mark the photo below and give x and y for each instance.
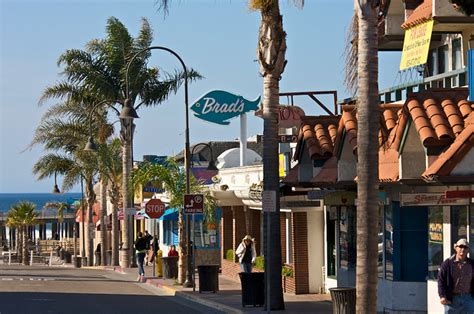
(430, 199)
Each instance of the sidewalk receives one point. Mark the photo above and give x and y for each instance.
(229, 297)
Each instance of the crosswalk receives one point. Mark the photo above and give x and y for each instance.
(26, 279)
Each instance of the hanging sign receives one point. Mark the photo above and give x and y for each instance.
(416, 45)
(219, 106)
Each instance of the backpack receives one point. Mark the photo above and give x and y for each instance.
(140, 244)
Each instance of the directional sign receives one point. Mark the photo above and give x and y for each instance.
(154, 208)
(193, 203)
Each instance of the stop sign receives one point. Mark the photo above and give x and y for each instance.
(154, 208)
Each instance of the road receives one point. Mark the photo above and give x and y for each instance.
(41, 289)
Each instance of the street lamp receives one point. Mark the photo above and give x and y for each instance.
(56, 188)
(189, 276)
(212, 163)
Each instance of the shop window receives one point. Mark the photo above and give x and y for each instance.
(435, 240)
(205, 234)
(380, 243)
(170, 230)
(388, 243)
(459, 223)
(347, 237)
(331, 220)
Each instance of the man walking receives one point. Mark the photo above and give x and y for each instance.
(455, 281)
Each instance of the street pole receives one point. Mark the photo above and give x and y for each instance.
(189, 276)
(83, 251)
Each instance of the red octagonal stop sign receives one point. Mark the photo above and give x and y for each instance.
(154, 208)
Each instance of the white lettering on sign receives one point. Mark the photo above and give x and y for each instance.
(212, 106)
(155, 208)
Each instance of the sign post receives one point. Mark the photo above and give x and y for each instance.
(193, 204)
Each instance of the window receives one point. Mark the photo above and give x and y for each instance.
(432, 62)
(443, 59)
(380, 242)
(457, 54)
(435, 240)
(347, 237)
(388, 243)
(458, 224)
(331, 221)
(170, 232)
(205, 234)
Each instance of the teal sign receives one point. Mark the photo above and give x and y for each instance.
(219, 106)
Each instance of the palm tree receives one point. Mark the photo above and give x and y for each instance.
(173, 179)
(110, 167)
(23, 215)
(362, 78)
(101, 67)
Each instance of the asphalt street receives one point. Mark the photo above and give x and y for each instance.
(42, 289)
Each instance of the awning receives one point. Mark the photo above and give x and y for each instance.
(172, 214)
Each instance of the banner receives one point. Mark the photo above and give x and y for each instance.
(416, 45)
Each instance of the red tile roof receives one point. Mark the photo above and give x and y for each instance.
(319, 134)
(448, 160)
(423, 13)
(328, 172)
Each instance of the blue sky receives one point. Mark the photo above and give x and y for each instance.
(216, 37)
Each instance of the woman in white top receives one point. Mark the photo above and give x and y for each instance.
(246, 253)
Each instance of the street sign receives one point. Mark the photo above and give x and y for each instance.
(269, 201)
(193, 203)
(154, 208)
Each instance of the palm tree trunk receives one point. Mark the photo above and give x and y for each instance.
(90, 225)
(181, 245)
(367, 154)
(115, 226)
(126, 168)
(24, 231)
(271, 54)
(103, 221)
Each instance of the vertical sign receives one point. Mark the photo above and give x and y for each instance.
(470, 73)
(416, 45)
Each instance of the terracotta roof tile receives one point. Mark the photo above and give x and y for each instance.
(349, 121)
(448, 160)
(319, 134)
(423, 13)
(436, 117)
(292, 177)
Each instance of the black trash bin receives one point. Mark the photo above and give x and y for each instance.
(170, 267)
(61, 254)
(208, 278)
(253, 289)
(343, 300)
(67, 257)
(76, 261)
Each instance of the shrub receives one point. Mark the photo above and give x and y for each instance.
(260, 262)
(287, 271)
(229, 255)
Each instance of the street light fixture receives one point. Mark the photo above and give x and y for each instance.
(212, 164)
(189, 276)
(56, 188)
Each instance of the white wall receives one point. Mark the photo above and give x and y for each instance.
(434, 306)
(315, 250)
(401, 296)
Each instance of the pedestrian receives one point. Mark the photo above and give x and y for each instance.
(172, 251)
(140, 247)
(455, 281)
(246, 253)
(148, 239)
(158, 262)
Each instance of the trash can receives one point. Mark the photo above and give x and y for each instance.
(253, 289)
(76, 261)
(67, 257)
(61, 254)
(208, 278)
(170, 267)
(343, 300)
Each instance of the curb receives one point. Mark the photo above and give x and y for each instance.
(211, 304)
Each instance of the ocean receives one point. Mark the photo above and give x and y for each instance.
(9, 199)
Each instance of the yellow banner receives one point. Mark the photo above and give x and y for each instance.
(282, 167)
(416, 45)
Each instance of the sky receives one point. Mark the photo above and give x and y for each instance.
(218, 38)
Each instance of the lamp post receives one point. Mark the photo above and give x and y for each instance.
(189, 277)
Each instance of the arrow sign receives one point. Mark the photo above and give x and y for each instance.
(154, 208)
(193, 203)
